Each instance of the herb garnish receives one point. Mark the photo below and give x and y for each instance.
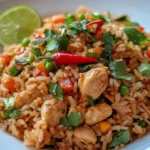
(141, 123)
(85, 67)
(118, 68)
(14, 71)
(144, 69)
(11, 112)
(120, 137)
(135, 36)
(91, 101)
(108, 45)
(72, 120)
(122, 18)
(56, 90)
(132, 24)
(92, 54)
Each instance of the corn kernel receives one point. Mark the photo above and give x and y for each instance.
(104, 126)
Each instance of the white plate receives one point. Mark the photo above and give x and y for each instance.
(137, 9)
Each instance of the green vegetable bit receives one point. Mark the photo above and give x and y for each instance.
(14, 71)
(31, 59)
(120, 137)
(1, 70)
(9, 103)
(25, 42)
(72, 120)
(124, 90)
(144, 69)
(81, 16)
(132, 24)
(135, 36)
(108, 45)
(22, 61)
(92, 54)
(50, 66)
(98, 16)
(141, 123)
(122, 18)
(85, 67)
(118, 68)
(56, 90)
(91, 101)
(36, 51)
(69, 19)
(11, 112)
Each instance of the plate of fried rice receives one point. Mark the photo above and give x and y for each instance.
(79, 80)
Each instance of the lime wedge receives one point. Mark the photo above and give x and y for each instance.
(17, 23)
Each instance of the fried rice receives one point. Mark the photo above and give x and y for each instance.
(93, 112)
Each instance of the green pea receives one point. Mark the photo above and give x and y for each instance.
(25, 42)
(81, 16)
(124, 90)
(49, 66)
(31, 58)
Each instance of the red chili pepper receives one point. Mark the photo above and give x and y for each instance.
(140, 28)
(67, 85)
(148, 53)
(99, 24)
(65, 58)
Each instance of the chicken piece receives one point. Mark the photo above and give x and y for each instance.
(26, 97)
(85, 135)
(51, 112)
(93, 82)
(97, 113)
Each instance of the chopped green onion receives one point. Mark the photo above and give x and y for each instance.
(31, 59)
(141, 123)
(14, 71)
(5, 115)
(124, 90)
(81, 16)
(49, 66)
(36, 51)
(25, 42)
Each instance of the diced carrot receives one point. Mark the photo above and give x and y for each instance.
(5, 59)
(10, 84)
(42, 70)
(58, 19)
(140, 28)
(104, 126)
(148, 53)
(67, 85)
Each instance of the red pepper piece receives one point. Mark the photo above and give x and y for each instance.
(38, 35)
(67, 85)
(140, 28)
(148, 53)
(65, 58)
(6, 59)
(99, 24)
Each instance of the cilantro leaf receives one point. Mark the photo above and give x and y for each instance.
(108, 45)
(22, 61)
(132, 24)
(11, 112)
(141, 123)
(91, 100)
(9, 103)
(92, 54)
(98, 16)
(36, 51)
(72, 120)
(120, 137)
(69, 19)
(118, 68)
(135, 36)
(85, 67)
(48, 35)
(58, 43)
(144, 69)
(15, 114)
(56, 90)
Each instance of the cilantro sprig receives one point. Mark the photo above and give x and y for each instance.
(10, 111)
(108, 40)
(56, 90)
(72, 120)
(118, 68)
(144, 69)
(135, 36)
(120, 137)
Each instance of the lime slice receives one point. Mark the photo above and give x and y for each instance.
(17, 23)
